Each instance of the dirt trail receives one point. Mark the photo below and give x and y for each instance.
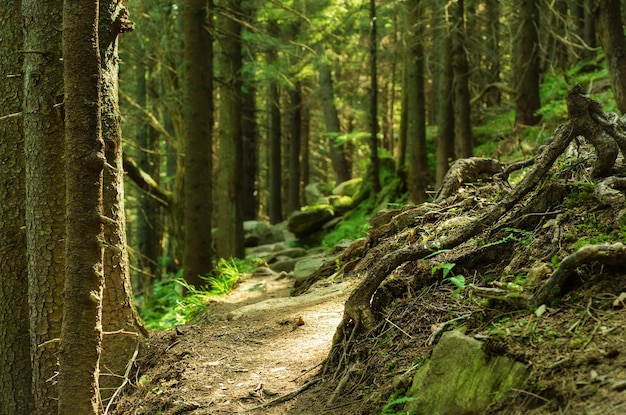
(254, 346)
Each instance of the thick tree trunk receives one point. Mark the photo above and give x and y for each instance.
(198, 162)
(81, 333)
(15, 368)
(230, 241)
(118, 312)
(45, 191)
(611, 33)
(527, 68)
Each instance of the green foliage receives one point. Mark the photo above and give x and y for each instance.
(168, 306)
(353, 226)
(457, 280)
(395, 404)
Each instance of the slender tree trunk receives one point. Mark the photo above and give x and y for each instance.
(275, 145)
(230, 241)
(198, 163)
(611, 33)
(493, 58)
(305, 162)
(294, 147)
(400, 151)
(527, 68)
(464, 142)
(118, 312)
(81, 333)
(373, 110)
(445, 112)
(333, 129)
(250, 139)
(418, 177)
(45, 191)
(15, 368)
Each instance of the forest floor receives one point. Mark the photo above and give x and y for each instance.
(253, 346)
(260, 351)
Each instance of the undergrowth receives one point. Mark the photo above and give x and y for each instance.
(174, 302)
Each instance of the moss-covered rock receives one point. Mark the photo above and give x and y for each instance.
(461, 379)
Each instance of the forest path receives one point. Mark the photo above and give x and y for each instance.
(253, 346)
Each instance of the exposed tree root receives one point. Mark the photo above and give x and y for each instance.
(585, 118)
(607, 254)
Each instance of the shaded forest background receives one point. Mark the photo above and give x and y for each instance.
(298, 91)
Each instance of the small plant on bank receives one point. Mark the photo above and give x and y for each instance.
(457, 280)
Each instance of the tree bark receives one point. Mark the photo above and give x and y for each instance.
(294, 147)
(331, 119)
(611, 33)
(249, 131)
(527, 68)
(45, 191)
(464, 141)
(374, 168)
(15, 367)
(198, 162)
(418, 176)
(230, 242)
(275, 145)
(81, 332)
(445, 112)
(118, 312)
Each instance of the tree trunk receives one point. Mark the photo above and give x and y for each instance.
(198, 163)
(230, 241)
(527, 67)
(249, 133)
(45, 191)
(15, 367)
(464, 142)
(445, 112)
(493, 58)
(373, 110)
(275, 180)
(611, 34)
(81, 332)
(294, 147)
(417, 179)
(333, 129)
(118, 312)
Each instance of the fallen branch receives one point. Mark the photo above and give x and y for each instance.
(146, 183)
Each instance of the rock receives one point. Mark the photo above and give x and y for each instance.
(312, 194)
(261, 233)
(348, 188)
(460, 378)
(306, 222)
(538, 273)
(306, 266)
(289, 253)
(284, 264)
